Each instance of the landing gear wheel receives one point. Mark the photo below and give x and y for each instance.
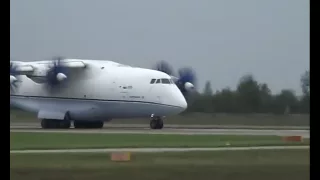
(45, 124)
(99, 124)
(160, 124)
(78, 124)
(156, 124)
(55, 124)
(65, 124)
(153, 124)
(49, 124)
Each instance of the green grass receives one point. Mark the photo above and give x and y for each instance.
(200, 119)
(27, 140)
(228, 165)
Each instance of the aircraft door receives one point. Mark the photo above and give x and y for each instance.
(124, 92)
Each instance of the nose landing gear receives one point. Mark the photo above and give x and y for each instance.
(156, 122)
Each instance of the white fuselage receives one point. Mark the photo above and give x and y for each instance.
(102, 91)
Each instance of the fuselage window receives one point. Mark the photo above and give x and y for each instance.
(165, 81)
(158, 81)
(152, 81)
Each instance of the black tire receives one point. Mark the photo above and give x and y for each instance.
(44, 124)
(65, 124)
(160, 124)
(99, 124)
(153, 124)
(48, 124)
(78, 124)
(56, 124)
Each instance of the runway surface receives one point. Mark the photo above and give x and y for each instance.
(22, 125)
(167, 130)
(150, 150)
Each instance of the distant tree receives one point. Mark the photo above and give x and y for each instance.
(305, 86)
(207, 89)
(225, 101)
(249, 94)
(305, 104)
(305, 83)
(201, 103)
(266, 98)
(286, 102)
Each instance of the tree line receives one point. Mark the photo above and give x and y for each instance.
(250, 96)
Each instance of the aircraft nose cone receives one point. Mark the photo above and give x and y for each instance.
(181, 101)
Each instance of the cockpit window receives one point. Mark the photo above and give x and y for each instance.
(152, 81)
(171, 81)
(165, 81)
(158, 81)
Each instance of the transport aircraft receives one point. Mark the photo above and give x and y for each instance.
(88, 93)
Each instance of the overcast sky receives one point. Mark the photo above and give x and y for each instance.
(221, 39)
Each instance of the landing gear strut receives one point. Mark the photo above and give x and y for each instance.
(156, 123)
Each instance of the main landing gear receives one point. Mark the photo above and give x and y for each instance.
(156, 123)
(55, 124)
(66, 124)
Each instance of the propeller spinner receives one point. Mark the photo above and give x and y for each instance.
(56, 74)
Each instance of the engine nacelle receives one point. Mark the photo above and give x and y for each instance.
(40, 72)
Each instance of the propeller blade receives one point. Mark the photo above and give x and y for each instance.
(14, 75)
(13, 69)
(56, 74)
(186, 75)
(186, 80)
(163, 66)
(12, 79)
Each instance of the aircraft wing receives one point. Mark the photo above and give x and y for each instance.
(19, 68)
(73, 64)
(27, 68)
(37, 71)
